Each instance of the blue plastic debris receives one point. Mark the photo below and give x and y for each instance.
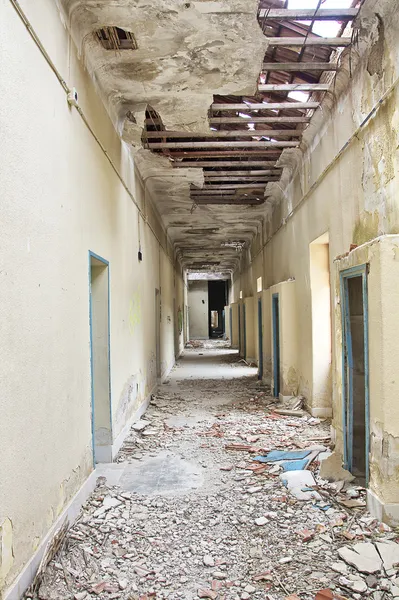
(275, 455)
(294, 465)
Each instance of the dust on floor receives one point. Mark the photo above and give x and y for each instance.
(186, 512)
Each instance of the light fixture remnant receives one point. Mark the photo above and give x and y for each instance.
(115, 38)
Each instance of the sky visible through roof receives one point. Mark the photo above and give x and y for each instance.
(324, 28)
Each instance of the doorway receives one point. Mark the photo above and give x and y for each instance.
(100, 358)
(276, 345)
(244, 330)
(158, 332)
(319, 258)
(217, 300)
(260, 340)
(355, 371)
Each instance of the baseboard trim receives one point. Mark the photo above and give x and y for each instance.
(386, 512)
(70, 513)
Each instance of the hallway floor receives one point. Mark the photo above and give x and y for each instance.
(182, 514)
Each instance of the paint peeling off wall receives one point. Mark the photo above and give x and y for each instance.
(6, 548)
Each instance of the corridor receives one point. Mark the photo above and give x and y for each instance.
(185, 512)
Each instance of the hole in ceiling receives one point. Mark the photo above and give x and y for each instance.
(116, 38)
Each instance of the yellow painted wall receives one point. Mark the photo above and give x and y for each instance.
(61, 198)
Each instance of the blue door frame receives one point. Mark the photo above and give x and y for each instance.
(276, 345)
(106, 264)
(245, 331)
(239, 329)
(231, 326)
(260, 340)
(348, 365)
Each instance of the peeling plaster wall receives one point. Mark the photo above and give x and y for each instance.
(353, 197)
(60, 199)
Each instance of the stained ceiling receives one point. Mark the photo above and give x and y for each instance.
(211, 95)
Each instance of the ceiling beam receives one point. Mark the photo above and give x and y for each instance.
(300, 66)
(241, 201)
(243, 153)
(255, 120)
(309, 41)
(224, 134)
(265, 105)
(293, 87)
(303, 14)
(230, 186)
(249, 179)
(224, 163)
(228, 144)
(260, 173)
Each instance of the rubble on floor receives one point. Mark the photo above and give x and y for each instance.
(250, 530)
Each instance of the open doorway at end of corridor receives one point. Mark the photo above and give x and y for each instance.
(100, 358)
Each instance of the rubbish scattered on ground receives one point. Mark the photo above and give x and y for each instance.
(250, 530)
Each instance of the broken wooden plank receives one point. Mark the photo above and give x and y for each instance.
(309, 14)
(300, 66)
(227, 144)
(224, 134)
(256, 120)
(265, 105)
(293, 87)
(224, 163)
(309, 41)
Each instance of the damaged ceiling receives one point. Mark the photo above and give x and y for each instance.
(213, 97)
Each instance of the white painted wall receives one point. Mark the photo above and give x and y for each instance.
(60, 198)
(198, 309)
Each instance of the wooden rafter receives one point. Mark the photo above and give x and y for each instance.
(224, 163)
(300, 66)
(243, 106)
(306, 14)
(215, 144)
(224, 134)
(293, 87)
(256, 120)
(309, 41)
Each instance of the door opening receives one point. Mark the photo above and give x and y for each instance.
(321, 323)
(260, 340)
(100, 359)
(355, 371)
(158, 332)
(217, 299)
(244, 330)
(276, 345)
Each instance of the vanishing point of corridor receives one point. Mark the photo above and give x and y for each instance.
(188, 510)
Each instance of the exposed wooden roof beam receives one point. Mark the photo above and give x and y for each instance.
(230, 186)
(242, 153)
(260, 173)
(243, 200)
(229, 144)
(307, 14)
(300, 66)
(256, 120)
(225, 163)
(293, 87)
(265, 105)
(249, 178)
(309, 41)
(224, 134)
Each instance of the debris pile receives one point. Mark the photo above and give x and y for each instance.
(263, 524)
